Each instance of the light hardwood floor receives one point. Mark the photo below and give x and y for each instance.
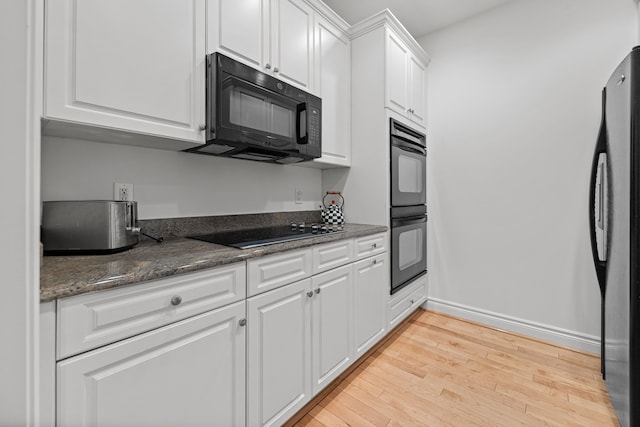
(438, 370)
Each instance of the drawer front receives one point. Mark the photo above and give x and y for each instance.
(400, 307)
(92, 320)
(370, 245)
(332, 255)
(273, 271)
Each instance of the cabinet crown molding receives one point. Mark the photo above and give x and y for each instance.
(388, 19)
(329, 14)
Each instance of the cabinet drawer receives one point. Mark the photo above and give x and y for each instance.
(189, 373)
(273, 271)
(370, 245)
(332, 255)
(404, 304)
(92, 320)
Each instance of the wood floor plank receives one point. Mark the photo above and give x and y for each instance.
(437, 370)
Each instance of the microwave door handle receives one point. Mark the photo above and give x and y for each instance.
(302, 123)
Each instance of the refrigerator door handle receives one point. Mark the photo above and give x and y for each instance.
(599, 186)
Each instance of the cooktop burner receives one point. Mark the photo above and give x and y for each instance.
(253, 237)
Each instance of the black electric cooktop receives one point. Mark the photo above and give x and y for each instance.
(253, 237)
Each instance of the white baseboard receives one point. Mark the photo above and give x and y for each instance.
(574, 340)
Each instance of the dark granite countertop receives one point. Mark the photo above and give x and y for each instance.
(64, 276)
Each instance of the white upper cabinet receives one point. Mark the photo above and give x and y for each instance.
(397, 75)
(405, 81)
(275, 36)
(127, 66)
(239, 28)
(417, 91)
(333, 85)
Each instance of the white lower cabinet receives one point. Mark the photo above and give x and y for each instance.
(332, 325)
(192, 350)
(303, 335)
(403, 303)
(300, 339)
(371, 287)
(189, 373)
(278, 353)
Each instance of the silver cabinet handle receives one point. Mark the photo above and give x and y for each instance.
(275, 70)
(309, 294)
(203, 128)
(267, 66)
(242, 322)
(176, 300)
(411, 302)
(375, 261)
(375, 245)
(318, 290)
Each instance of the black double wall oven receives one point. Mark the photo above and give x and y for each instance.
(408, 205)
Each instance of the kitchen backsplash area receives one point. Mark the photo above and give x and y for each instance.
(169, 184)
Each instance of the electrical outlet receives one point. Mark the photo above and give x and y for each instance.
(122, 191)
(298, 196)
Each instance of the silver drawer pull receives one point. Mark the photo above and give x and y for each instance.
(317, 290)
(176, 300)
(375, 261)
(375, 245)
(411, 302)
(242, 322)
(309, 294)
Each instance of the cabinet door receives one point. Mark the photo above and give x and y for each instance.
(371, 285)
(133, 66)
(332, 324)
(397, 75)
(333, 84)
(291, 46)
(417, 91)
(279, 354)
(190, 373)
(238, 28)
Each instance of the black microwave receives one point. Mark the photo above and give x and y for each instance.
(254, 116)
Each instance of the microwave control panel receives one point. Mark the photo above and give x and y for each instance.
(314, 126)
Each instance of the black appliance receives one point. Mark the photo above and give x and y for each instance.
(408, 155)
(614, 217)
(254, 237)
(254, 116)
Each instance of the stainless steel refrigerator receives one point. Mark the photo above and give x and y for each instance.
(615, 235)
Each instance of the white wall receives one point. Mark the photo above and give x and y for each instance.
(19, 172)
(514, 109)
(171, 184)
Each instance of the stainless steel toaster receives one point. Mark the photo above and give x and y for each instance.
(89, 226)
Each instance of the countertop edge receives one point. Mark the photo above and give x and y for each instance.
(54, 286)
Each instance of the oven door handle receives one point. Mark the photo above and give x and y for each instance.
(400, 222)
(408, 146)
